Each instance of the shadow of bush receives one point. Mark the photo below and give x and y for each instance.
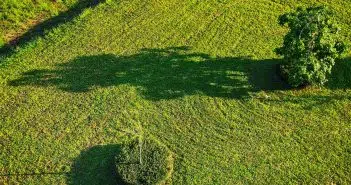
(95, 166)
(340, 77)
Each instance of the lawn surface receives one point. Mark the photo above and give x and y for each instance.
(197, 75)
(19, 16)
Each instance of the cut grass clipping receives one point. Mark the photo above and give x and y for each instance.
(144, 161)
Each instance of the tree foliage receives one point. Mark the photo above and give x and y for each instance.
(311, 46)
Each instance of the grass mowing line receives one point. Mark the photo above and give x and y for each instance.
(177, 22)
(137, 24)
(227, 27)
(223, 32)
(269, 8)
(210, 19)
(182, 24)
(199, 154)
(275, 3)
(63, 27)
(135, 19)
(267, 118)
(251, 118)
(257, 114)
(14, 107)
(248, 27)
(283, 4)
(18, 175)
(127, 19)
(174, 19)
(199, 123)
(204, 28)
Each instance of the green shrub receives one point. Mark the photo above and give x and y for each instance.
(144, 162)
(310, 47)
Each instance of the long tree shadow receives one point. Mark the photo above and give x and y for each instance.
(161, 74)
(40, 29)
(95, 166)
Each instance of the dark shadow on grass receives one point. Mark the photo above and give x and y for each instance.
(40, 29)
(341, 75)
(95, 166)
(162, 74)
(339, 79)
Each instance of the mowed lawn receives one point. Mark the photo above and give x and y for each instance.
(200, 76)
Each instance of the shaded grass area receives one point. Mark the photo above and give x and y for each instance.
(95, 166)
(197, 75)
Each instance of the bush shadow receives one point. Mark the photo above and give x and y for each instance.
(95, 166)
(340, 77)
(40, 29)
(162, 74)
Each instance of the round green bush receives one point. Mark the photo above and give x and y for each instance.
(310, 47)
(144, 162)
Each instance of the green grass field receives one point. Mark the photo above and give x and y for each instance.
(20, 16)
(200, 76)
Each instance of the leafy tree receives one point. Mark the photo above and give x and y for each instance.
(310, 47)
